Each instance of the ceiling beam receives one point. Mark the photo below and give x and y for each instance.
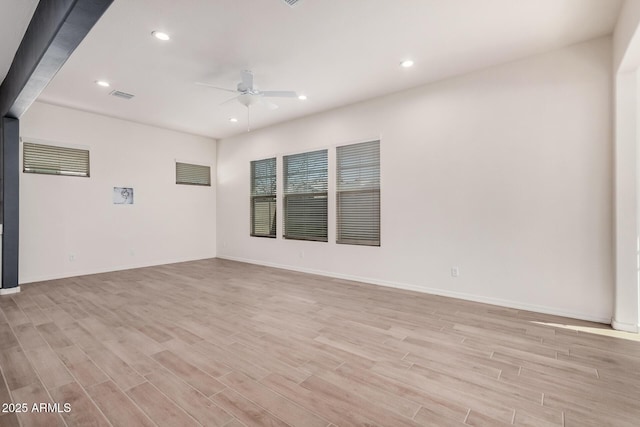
(56, 29)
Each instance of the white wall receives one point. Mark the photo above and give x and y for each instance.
(61, 216)
(626, 59)
(505, 173)
(625, 313)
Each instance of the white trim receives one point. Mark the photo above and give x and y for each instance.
(25, 280)
(302, 151)
(192, 162)
(626, 327)
(48, 142)
(329, 147)
(359, 141)
(434, 291)
(9, 291)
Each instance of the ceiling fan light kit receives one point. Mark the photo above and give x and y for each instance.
(247, 94)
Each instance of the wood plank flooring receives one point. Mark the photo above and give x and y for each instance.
(221, 343)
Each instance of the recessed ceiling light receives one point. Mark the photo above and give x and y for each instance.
(406, 64)
(302, 97)
(102, 83)
(233, 120)
(160, 35)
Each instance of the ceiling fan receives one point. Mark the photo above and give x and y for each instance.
(247, 94)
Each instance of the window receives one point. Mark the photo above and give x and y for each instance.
(263, 198)
(305, 196)
(54, 160)
(358, 194)
(189, 174)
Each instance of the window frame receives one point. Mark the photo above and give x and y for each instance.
(194, 166)
(266, 196)
(370, 189)
(291, 196)
(52, 168)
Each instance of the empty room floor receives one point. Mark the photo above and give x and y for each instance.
(222, 343)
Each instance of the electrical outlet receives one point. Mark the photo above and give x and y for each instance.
(301, 254)
(132, 252)
(455, 272)
(72, 257)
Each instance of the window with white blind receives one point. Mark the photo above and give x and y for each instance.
(189, 174)
(54, 160)
(263, 198)
(305, 196)
(358, 194)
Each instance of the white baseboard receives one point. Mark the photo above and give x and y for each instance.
(9, 291)
(76, 273)
(435, 291)
(626, 327)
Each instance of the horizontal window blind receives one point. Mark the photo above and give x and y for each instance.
(263, 198)
(305, 196)
(54, 160)
(190, 174)
(358, 194)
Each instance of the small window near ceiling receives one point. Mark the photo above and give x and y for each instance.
(358, 194)
(263, 198)
(190, 174)
(55, 160)
(305, 196)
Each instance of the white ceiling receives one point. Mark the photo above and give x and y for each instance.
(15, 16)
(336, 51)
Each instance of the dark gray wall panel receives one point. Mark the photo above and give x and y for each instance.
(56, 29)
(10, 176)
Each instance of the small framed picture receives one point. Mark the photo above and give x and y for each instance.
(122, 196)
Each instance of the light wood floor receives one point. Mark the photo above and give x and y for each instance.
(220, 343)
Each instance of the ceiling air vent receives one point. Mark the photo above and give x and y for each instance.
(123, 95)
(291, 2)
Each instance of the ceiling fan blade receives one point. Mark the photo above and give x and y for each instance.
(279, 94)
(247, 79)
(216, 87)
(270, 105)
(230, 99)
